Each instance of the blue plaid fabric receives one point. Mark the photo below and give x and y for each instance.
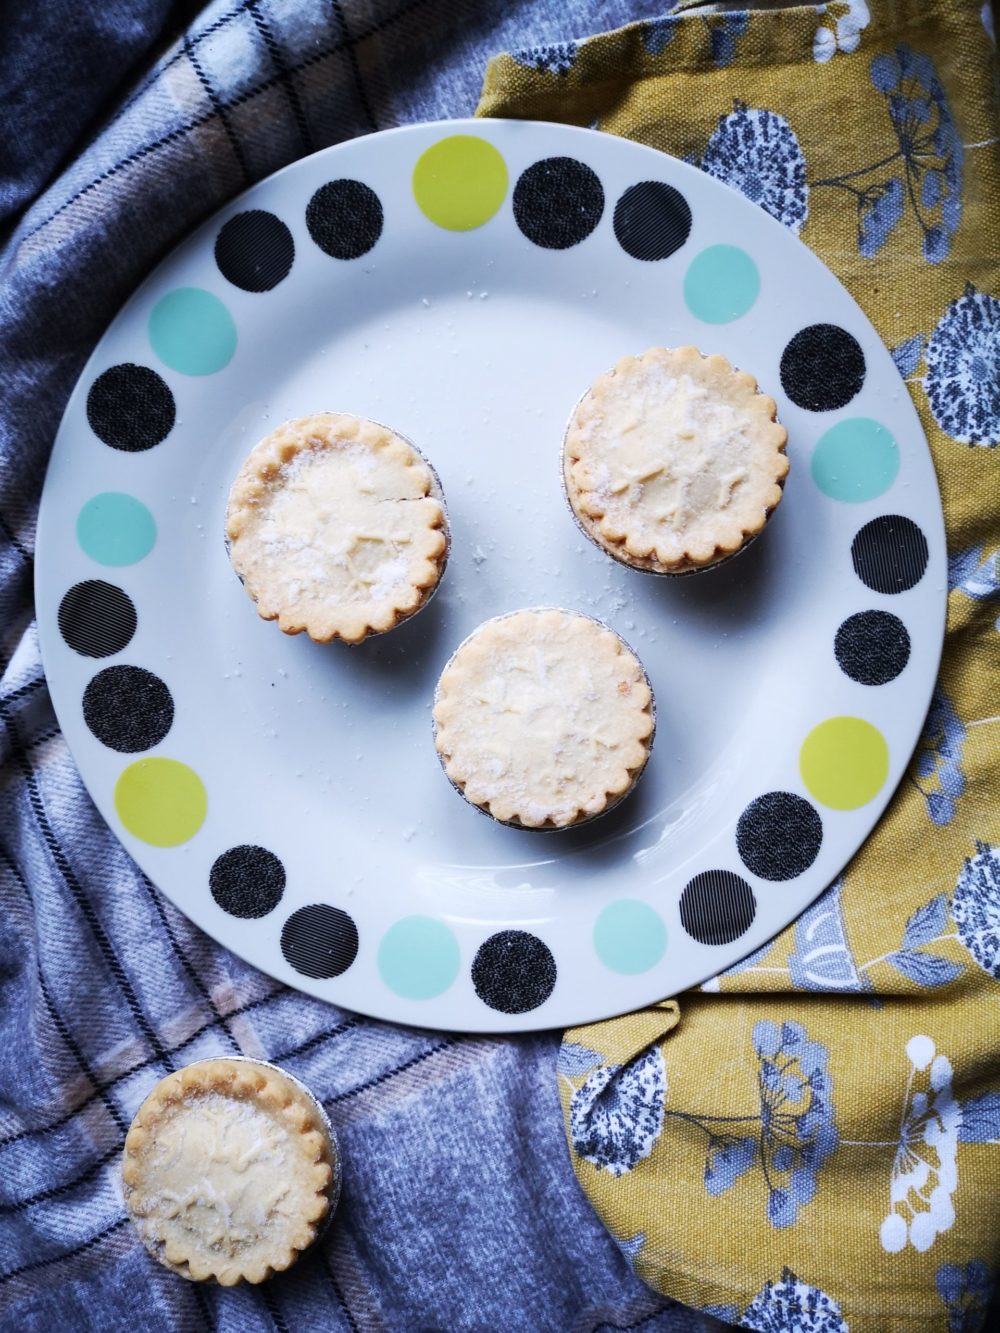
(123, 123)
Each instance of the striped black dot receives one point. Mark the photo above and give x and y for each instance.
(778, 836)
(131, 408)
(514, 972)
(255, 251)
(890, 554)
(319, 940)
(558, 202)
(872, 647)
(248, 881)
(717, 907)
(97, 619)
(128, 708)
(345, 218)
(652, 220)
(823, 367)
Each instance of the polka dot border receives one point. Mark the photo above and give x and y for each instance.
(460, 183)
(558, 202)
(514, 972)
(345, 219)
(822, 368)
(717, 907)
(247, 881)
(131, 408)
(778, 835)
(320, 941)
(128, 708)
(255, 250)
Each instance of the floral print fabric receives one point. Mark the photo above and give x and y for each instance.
(811, 1141)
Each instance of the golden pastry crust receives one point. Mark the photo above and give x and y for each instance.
(673, 460)
(229, 1171)
(337, 527)
(544, 718)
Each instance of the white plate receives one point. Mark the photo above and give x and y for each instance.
(378, 887)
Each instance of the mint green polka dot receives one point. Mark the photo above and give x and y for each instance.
(629, 936)
(855, 460)
(721, 284)
(418, 957)
(115, 529)
(190, 330)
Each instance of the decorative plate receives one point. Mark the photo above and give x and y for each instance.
(464, 282)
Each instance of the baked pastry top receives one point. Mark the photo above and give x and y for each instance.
(543, 718)
(674, 460)
(337, 527)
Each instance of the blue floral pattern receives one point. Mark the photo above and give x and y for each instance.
(966, 1292)
(912, 958)
(975, 574)
(793, 1306)
(797, 1127)
(923, 177)
(630, 1246)
(975, 905)
(907, 354)
(657, 34)
(963, 369)
(725, 30)
(822, 958)
(939, 756)
(756, 151)
(556, 58)
(616, 1115)
(791, 1133)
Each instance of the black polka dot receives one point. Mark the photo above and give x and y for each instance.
(890, 554)
(778, 836)
(514, 972)
(717, 907)
(128, 708)
(97, 619)
(652, 220)
(872, 647)
(248, 881)
(254, 251)
(558, 202)
(131, 408)
(345, 218)
(823, 367)
(320, 941)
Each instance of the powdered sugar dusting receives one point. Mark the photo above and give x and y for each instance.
(542, 715)
(673, 454)
(342, 523)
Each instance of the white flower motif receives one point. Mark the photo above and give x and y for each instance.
(616, 1115)
(924, 1169)
(851, 19)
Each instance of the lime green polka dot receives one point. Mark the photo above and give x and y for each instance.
(418, 957)
(721, 284)
(115, 529)
(460, 182)
(855, 460)
(844, 762)
(629, 936)
(161, 801)
(191, 331)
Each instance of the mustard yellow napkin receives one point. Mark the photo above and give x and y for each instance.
(812, 1140)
